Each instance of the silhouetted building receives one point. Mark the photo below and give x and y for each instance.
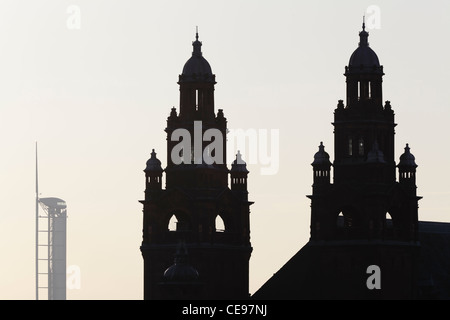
(364, 241)
(198, 197)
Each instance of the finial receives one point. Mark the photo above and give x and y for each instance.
(363, 35)
(321, 147)
(197, 44)
(239, 157)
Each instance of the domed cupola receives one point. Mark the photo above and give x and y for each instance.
(239, 174)
(364, 76)
(153, 164)
(407, 159)
(153, 176)
(321, 166)
(181, 270)
(197, 68)
(321, 157)
(364, 59)
(239, 165)
(407, 167)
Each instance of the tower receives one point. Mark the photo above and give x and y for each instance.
(52, 262)
(197, 196)
(364, 216)
(51, 245)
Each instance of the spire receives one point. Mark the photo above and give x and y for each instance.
(197, 44)
(363, 35)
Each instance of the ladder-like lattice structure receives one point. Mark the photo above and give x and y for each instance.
(51, 248)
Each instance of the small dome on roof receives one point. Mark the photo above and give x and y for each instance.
(197, 68)
(321, 157)
(181, 270)
(153, 164)
(364, 59)
(239, 165)
(407, 159)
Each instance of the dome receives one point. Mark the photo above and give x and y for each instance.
(197, 68)
(239, 165)
(364, 59)
(407, 159)
(153, 164)
(181, 270)
(321, 157)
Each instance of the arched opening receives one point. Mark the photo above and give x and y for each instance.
(179, 221)
(219, 224)
(347, 224)
(344, 220)
(173, 223)
(389, 227)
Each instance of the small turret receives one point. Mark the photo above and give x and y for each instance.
(153, 175)
(407, 168)
(321, 166)
(238, 174)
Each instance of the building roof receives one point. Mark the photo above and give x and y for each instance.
(435, 258)
(52, 202)
(289, 282)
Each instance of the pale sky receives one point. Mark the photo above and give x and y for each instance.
(96, 99)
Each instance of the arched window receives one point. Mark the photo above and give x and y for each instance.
(219, 224)
(389, 223)
(340, 220)
(173, 223)
(179, 221)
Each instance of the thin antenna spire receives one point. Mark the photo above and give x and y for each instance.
(196, 33)
(37, 226)
(364, 22)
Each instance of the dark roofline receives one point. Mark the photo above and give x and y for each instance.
(434, 227)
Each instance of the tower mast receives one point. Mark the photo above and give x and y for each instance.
(37, 226)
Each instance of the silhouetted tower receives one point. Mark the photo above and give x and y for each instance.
(365, 216)
(52, 248)
(51, 229)
(239, 174)
(197, 195)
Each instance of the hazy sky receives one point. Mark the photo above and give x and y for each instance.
(93, 82)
